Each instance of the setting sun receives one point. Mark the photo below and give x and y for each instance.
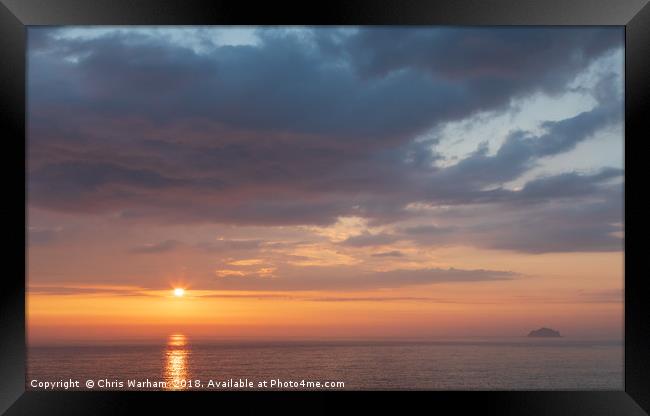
(404, 208)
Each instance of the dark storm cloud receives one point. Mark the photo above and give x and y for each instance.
(282, 86)
(288, 132)
(498, 62)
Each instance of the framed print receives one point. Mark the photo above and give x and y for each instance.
(359, 206)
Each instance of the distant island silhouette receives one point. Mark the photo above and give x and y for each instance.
(545, 333)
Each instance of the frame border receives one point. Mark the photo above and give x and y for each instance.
(16, 15)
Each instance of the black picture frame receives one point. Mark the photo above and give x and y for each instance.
(16, 15)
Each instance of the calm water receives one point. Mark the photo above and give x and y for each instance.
(508, 363)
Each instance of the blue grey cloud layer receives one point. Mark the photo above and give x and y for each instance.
(291, 131)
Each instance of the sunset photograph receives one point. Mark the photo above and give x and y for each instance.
(325, 208)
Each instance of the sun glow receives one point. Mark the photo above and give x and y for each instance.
(179, 292)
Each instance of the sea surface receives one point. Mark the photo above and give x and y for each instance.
(466, 364)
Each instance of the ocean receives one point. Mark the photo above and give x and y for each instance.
(460, 364)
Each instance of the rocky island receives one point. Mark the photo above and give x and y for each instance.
(545, 333)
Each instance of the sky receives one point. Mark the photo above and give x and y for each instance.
(331, 182)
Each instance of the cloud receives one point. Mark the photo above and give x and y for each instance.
(567, 185)
(392, 253)
(229, 273)
(428, 234)
(86, 291)
(518, 154)
(245, 262)
(382, 299)
(541, 217)
(216, 246)
(302, 130)
(495, 63)
(162, 247)
(226, 245)
(332, 278)
(616, 296)
(42, 235)
(265, 296)
(612, 296)
(565, 228)
(367, 239)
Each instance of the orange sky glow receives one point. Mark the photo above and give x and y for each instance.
(324, 183)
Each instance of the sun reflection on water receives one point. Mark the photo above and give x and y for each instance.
(177, 354)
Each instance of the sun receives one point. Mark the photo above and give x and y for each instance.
(179, 292)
